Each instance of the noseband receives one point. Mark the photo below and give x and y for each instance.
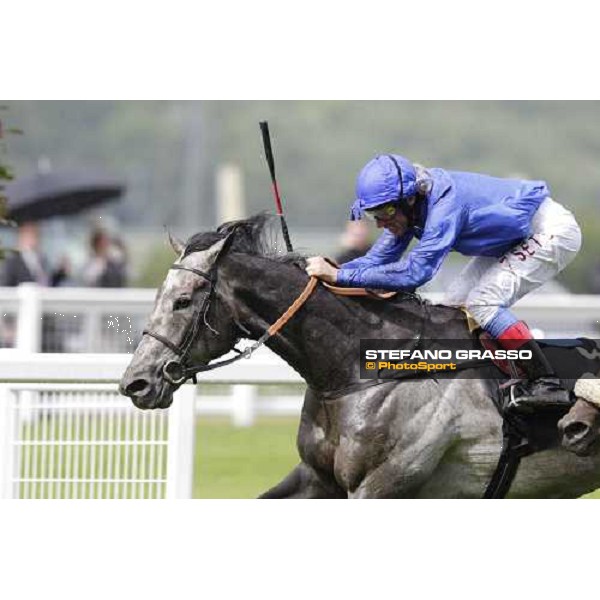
(177, 372)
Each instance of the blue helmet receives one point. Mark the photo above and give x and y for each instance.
(386, 178)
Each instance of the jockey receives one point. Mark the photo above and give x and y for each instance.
(519, 238)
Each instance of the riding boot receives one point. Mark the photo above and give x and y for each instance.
(542, 389)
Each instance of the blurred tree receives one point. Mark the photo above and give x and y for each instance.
(6, 174)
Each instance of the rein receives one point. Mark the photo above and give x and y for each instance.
(178, 372)
(361, 292)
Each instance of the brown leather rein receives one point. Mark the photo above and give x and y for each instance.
(344, 291)
(182, 373)
(338, 291)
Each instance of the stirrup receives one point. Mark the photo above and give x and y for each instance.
(528, 404)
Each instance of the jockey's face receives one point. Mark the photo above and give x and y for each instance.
(390, 217)
(397, 224)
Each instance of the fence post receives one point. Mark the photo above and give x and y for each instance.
(29, 320)
(243, 405)
(9, 457)
(180, 454)
(92, 331)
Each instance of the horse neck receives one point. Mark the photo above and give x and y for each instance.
(320, 341)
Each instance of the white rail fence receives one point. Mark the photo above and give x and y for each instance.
(84, 441)
(35, 318)
(65, 432)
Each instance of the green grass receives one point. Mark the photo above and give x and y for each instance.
(235, 462)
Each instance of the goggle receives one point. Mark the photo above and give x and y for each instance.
(382, 213)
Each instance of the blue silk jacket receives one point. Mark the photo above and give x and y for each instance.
(476, 215)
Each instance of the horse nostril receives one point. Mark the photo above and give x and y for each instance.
(135, 387)
(576, 430)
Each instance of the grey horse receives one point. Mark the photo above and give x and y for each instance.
(424, 438)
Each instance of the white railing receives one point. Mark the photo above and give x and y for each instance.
(112, 320)
(241, 391)
(66, 433)
(69, 440)
(73, 319)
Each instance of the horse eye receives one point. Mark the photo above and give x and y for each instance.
(182, 303)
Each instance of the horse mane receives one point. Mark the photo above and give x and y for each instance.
(257, 235)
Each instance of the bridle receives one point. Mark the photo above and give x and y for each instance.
(177, 372)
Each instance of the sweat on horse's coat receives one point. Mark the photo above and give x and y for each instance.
(422, 438)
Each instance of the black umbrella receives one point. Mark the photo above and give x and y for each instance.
(59, 193)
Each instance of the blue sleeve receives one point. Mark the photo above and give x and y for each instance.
(386, 249)
(422, 262)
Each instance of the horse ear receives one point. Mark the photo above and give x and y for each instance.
(176, 244)
(215, 250)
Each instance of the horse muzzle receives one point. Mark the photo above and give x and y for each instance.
(580, 429)
(144, 394)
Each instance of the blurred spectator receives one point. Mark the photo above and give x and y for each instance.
(355, 241)
(107, 266)
(28, 264)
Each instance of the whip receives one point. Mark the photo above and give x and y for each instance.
(264, 127)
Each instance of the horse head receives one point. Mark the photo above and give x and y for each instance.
(190, 323)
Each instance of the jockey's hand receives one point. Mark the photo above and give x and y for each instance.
(317, 266)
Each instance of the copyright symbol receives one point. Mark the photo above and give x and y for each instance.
(370, 365)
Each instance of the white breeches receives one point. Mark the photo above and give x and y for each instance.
(488, 284)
